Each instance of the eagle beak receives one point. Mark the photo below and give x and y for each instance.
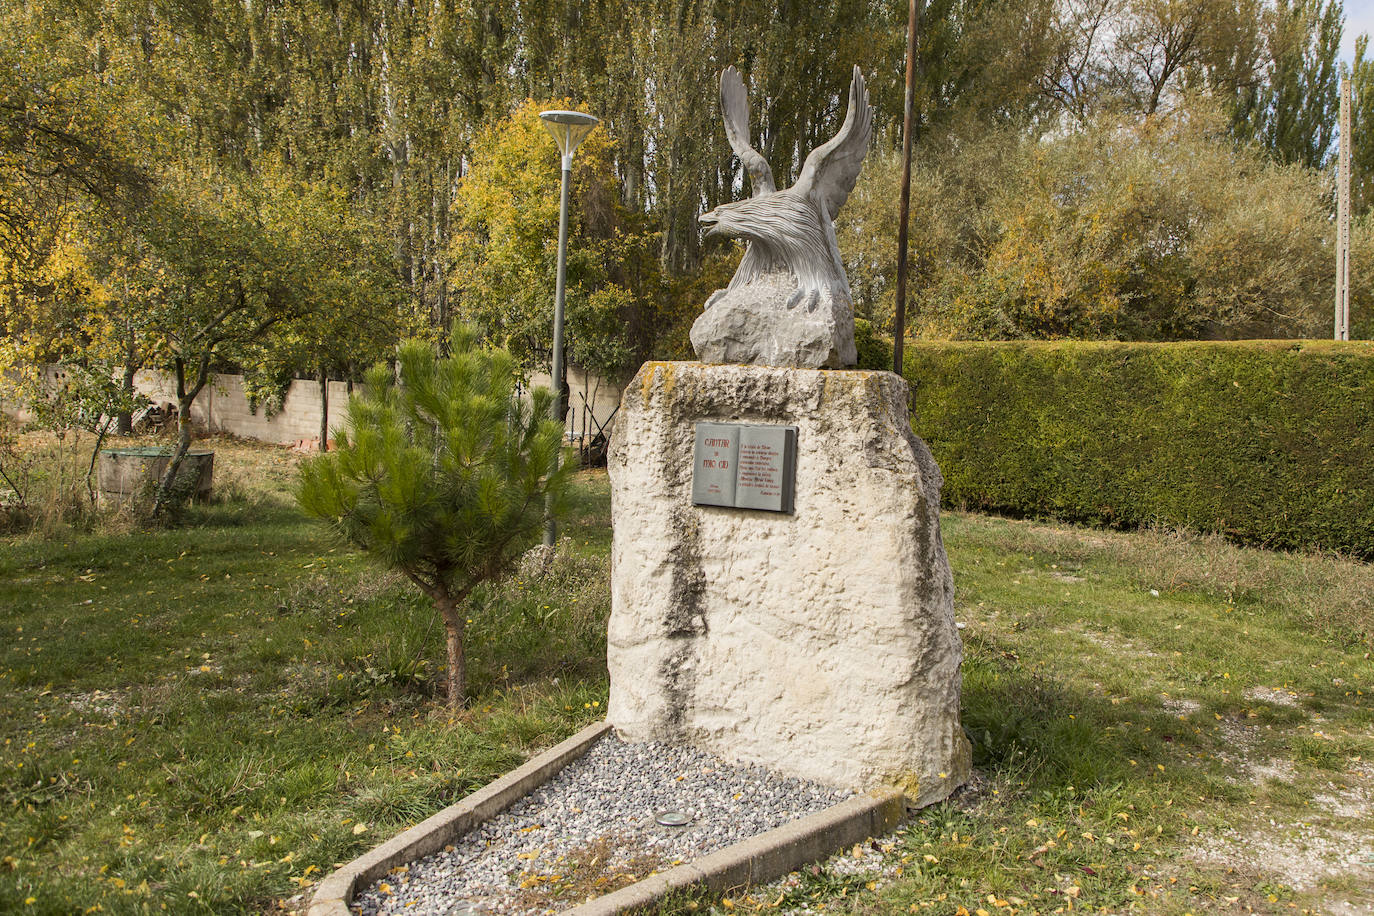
(709, 221)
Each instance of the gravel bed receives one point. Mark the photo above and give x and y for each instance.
(593, 829)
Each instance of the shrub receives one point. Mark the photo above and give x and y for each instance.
(1130, 228)
(875, 350)
(1267, 442)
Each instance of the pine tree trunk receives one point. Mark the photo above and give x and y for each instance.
(457, 664)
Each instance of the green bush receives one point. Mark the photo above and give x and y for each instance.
(1267, 442)
(875, 348)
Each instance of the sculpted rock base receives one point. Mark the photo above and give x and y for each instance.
(764, 323)
(820, 644)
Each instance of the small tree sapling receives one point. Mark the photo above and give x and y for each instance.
(441, 472)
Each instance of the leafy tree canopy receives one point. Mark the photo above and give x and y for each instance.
(1161, 229)
(505, 242)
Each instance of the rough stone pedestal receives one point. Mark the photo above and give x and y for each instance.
(820, 644)
(767, 323)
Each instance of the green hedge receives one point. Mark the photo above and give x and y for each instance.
(1269, 442)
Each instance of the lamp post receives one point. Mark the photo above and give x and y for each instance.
(569, 129)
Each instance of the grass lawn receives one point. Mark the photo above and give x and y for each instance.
(210, 717)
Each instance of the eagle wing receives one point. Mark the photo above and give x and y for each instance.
(734, 106)
(832, 168)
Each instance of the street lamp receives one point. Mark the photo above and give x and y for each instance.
(569, 129)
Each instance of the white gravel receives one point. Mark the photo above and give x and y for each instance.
(603, 805)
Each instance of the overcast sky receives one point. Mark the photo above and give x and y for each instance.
(1359, 20)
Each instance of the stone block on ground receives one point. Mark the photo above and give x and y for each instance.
(819, 643)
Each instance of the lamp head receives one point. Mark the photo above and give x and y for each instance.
(569, 129)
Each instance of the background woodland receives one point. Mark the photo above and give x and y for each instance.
(288, 188)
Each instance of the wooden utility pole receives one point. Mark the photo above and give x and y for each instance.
(913, 25)
(1342, 323)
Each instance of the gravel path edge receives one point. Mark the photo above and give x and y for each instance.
(762, 858)
(336, 891)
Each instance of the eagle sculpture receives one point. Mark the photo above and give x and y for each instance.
(788, 303)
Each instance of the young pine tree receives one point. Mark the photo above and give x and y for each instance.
(442, 474)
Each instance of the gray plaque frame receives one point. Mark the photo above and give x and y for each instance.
(745, 466)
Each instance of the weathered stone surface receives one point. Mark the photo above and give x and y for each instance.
(820, 643)
(770, 323)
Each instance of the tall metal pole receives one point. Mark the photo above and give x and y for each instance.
(568, 129)
(557, 411)
(1342, 323)
(913, 24)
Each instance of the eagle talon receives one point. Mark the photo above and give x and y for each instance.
(812, 297)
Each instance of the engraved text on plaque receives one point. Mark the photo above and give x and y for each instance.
(744, 466)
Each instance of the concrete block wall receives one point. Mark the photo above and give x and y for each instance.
(223, 407)
(603, 398)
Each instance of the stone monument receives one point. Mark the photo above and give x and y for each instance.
(780, 593)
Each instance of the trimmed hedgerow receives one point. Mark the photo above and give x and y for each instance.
(1268, 442)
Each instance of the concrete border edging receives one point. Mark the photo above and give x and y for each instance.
(429, 836)
(752, 861)
(764, 857)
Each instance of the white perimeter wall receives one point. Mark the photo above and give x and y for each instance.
(223, 408)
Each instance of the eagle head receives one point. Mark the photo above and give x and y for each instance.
(767, 218)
